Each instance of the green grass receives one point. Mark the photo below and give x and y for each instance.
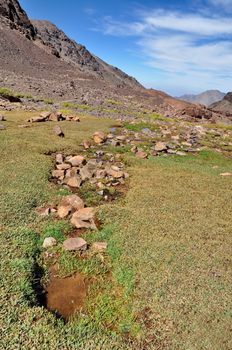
(137, 127)
(164, 281)
(71, 105)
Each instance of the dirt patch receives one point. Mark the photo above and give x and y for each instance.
(66, 296)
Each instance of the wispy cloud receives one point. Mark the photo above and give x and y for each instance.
(187, 45)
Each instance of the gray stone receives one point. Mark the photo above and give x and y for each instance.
(49, 242)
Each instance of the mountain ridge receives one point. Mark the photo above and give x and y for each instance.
(205, 98)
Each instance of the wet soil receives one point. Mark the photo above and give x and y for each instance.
(66, 296)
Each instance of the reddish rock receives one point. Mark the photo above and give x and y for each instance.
(99, 137)
(141, 154)
(58, 174)
(68, 205)
(73, 244)
(84, 218)
(99, 246)
(160, 147)
(76, 160)
(58, 131)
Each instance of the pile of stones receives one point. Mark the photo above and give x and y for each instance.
(53, 117)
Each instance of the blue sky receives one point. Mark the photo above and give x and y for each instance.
(175, 46)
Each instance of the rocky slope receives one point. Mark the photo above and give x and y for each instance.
(37, 58)
(224, 106)
(205, 98)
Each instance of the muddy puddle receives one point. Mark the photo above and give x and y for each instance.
(66, 296)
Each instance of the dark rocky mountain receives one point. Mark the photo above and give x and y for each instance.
(224, 106)
(37, 58)
(70, 51)
(205, 98)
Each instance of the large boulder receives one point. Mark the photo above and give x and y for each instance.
(76, 160)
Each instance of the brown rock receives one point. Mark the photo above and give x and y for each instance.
(86, 144)
(160, 147)
(226, 174)
(99, 137)
(141, 154)
(45, 115)
(73, 244)
(68, 205)
(58, 174)
(2, 118)
(59, 158)
(116, 174)
(63, 166)
(77, 160)
(84, 218)
(74, 181)
(86, 173)
(72, 172)
(99, 246)
(57, 131)
(2, 127)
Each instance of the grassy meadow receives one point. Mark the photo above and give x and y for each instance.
(165, 282)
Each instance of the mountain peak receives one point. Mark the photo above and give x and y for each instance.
(12, 14)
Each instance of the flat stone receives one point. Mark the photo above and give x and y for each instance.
(141, 154)
(99, 246)
(84, 218)
(63, 166)
(179, 153)
(115, 174)
(86, 173)
(49, 242)
(73, 244)
(77, 160)
(59, 174)
(160, 147)
(74, 181)
(226, 174)
(2, 127)
(68, 205)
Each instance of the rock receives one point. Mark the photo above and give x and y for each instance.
(141, 154)
(56, 117)
(63, 166)
(116, 174)
(226, 174)
(2, 127)
(72, 172)
(45, 115)
(160, 147)
(44, 211)
(37, 120)
(100, 174)
(73, 244)
(134, 149)
(99, 137)
(86, 144)
(2, 118)
(49, 242)
(179, 153)
(77, 160)
(68, 205)
(99, 246)
(59, 174)
(84, 218)
(59, 158)
(74, 181)
(86, 173)
(57, 131)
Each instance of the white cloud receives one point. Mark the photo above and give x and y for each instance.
(185, 47)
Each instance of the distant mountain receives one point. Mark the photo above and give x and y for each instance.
(205, 98)
(224, 106)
